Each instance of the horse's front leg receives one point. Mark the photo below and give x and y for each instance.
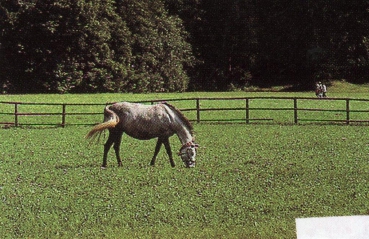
(157, 149)
(169, 151)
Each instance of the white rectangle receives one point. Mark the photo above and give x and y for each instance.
(349, 227)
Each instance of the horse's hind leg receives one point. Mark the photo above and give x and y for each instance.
(114, 138)
(157, 149)
(118, 139)
(107, 146)
(169, 151)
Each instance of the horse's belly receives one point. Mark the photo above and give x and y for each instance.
(147, 130)
(146, 124)
(145, 135)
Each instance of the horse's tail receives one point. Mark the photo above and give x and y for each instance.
(111, 119)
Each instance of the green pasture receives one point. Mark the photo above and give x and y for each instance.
(251, 181)
(338, 89)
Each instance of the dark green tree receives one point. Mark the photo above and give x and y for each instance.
(56, 46)
(92, 46)
(284, 37)
(348, 25)
(276, 42)
(161, 55)
(98, 58)
(162, 45)
(223, 38)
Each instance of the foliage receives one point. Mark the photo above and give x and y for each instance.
(277, 42)
(160, 53)
(167, 45)
(92, 46)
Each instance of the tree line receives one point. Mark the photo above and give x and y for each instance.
(177, 45)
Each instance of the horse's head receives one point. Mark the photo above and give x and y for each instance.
(188, 154)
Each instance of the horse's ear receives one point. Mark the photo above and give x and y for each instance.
(196, 145)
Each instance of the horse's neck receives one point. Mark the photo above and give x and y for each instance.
(184, 134)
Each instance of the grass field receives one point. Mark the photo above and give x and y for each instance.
(337, 89)
(251, 181)
(337, 107)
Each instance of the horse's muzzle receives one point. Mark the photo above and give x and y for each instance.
(190, 164)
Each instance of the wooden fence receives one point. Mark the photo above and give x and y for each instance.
(244, 109)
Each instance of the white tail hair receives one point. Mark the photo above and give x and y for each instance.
(111, 123)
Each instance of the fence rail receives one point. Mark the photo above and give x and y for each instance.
(295, 110)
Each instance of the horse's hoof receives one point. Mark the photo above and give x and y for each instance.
(103, 167)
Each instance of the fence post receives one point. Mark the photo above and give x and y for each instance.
(347, 111)
(16, 114)
(198, 110)
(295, 116)
(63, 115)
(247, 111)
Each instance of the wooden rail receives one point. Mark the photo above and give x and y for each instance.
(250, 105)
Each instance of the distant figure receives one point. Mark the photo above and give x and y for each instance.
(324, 88)
(319, 90)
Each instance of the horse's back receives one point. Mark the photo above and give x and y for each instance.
(139, 111)
(143, 121)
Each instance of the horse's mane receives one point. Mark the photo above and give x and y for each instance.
(182, 117)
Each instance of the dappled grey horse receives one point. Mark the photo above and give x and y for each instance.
(147, 122)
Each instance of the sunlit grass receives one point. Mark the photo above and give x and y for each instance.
(337, 89)
(282, 109)
(251, 181)
(348, 88)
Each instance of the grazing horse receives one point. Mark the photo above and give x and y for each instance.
(147, 122)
